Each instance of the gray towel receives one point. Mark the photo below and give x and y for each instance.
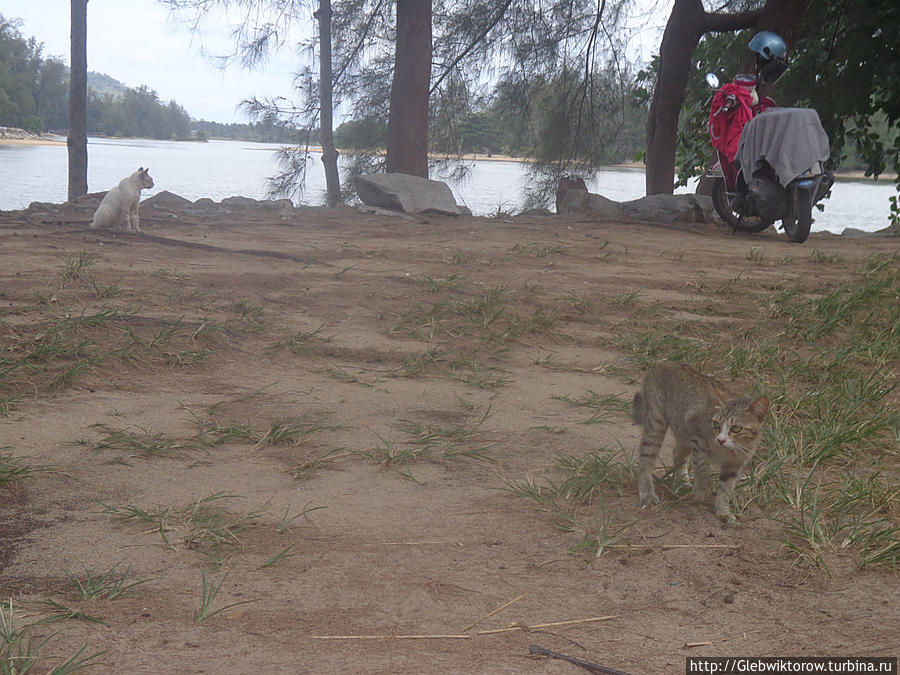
(791, 140)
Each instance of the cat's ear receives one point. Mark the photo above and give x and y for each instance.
(140, 168)
(760, 407)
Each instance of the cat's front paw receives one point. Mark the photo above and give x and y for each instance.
(646, 491)
(650, 499)
(648, 496)
(683, 483)
(726, 517)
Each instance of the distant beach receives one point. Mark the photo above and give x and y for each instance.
(13, 136)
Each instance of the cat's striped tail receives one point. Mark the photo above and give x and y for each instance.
(638, 409)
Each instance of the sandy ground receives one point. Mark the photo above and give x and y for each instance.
(347, 326)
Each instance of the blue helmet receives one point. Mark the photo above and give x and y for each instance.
(770, 56)
(769, 45)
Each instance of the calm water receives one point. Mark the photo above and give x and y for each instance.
(220, 169)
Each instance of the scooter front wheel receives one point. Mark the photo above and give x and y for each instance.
(722, 203)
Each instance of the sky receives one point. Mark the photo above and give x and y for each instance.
(140, 42)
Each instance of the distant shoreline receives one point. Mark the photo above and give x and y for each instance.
(16, 136)
(52, 139)
(31, 141)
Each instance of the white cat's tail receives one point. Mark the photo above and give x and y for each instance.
(101, 217)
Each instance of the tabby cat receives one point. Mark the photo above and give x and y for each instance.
(709, 427)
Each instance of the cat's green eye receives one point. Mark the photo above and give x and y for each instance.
(715, 424)
(736, 429)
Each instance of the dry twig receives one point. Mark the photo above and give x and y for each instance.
(490, 614)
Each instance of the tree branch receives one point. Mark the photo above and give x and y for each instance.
(722, 23)
(465, 52)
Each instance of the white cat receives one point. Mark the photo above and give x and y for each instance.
(120, 205)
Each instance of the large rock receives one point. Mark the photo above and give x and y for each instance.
(239, 202)
(167, 200)
(410, 194)
(567, 183)
(576, 200)
(685, 208)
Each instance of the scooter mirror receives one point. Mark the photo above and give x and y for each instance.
(712, 80)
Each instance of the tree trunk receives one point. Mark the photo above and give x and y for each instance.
(76, 141)
(683, 31)
(686, 25)
(407, 136)
(326, 107)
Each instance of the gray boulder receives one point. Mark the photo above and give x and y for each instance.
(409, 194)
(855, 232)
(239, 202)
(576, 200)
(686, 208)
(567, 183)
(167, 200)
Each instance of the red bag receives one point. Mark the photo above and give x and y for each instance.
(725, 125)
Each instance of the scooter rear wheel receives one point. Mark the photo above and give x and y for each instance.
(797, 226)
(732, 218)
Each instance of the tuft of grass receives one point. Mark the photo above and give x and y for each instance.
(578, 303)
(108, 585)
(208, 593)
(61, 612)
(476, 373)
(756, 254)
(292, 431)
(436, 285)
(286, 521)
(588, 476)
(215, 432)
(576, 482)
(429, 442)
(304, 341)
(818, 256)
(489, 319)
(14, 469)
(539, 249)
(67, 343)
(343, 374)
(602, 532)
(104, 292)
(311, 466)
(447, 442)
(139, 442)
(278, 557)
(604, 408)
(246, 313)
(460, 257)
(626, 298)
(20, 650)
(202, 525)
(74, 267)
(661, 342)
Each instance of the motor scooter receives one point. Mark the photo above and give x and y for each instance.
(770, 160)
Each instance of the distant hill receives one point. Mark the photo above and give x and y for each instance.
(104, 84)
